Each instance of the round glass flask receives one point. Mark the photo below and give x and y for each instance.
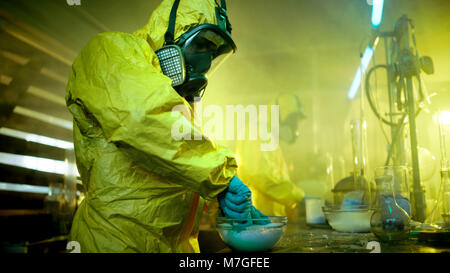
(391, 219)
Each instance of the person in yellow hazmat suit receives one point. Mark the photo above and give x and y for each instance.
(146, 186)
(266, 172)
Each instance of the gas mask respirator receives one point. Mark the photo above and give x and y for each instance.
(196, 54)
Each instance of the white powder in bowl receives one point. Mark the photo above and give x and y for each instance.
(252, 238)
(350, 221)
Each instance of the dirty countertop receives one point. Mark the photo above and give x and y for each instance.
(301, 238)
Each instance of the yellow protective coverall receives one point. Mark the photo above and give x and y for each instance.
(144, 190)
(266, 172)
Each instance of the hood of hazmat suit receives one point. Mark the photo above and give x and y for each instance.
(266, 173)
(289, 105)
(145, 189)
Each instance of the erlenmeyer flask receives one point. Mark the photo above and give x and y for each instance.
(391, 219)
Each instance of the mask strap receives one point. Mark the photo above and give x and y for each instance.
(170, 33)
(221, 15)
(222, 18)
(202, 92)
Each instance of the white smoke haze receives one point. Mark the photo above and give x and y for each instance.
(235, 122)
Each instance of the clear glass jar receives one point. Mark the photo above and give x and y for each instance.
(391, 219)
(444, 191)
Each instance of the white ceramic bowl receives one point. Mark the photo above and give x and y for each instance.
(349, 220)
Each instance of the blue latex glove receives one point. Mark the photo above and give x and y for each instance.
(235, 202)
(256, 214)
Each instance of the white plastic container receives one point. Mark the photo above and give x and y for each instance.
(314, 213)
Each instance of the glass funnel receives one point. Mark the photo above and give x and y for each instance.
(391, 219)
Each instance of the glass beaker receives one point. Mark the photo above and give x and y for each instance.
(445, 196)
(361, 193)
(439, 216)
(391, 219)
(444, 191)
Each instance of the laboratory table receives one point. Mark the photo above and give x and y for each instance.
(301, 238)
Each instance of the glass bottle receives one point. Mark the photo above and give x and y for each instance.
(439, 217)
(444, 191)
(361, 185)
(391, 219)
